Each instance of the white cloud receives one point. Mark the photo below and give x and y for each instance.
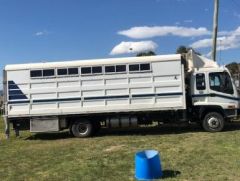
(231, 40)
(204, 43)
(133, 47)
(224, 33)
(149, 32)
(41, 33)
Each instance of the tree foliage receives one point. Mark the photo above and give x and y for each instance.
(182, 49)
(149, 53)
(234, 68)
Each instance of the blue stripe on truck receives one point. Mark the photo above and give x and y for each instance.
(97, 98)
(216, 95)
(14, 92)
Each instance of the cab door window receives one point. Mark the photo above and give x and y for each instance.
(221, 82)
(200, 82)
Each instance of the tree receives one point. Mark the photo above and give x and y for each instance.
(149, 53)
(182, 49)
(234, 68)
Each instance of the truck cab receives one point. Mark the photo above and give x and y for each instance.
(214, 96)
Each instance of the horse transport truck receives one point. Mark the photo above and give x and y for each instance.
(85, 95)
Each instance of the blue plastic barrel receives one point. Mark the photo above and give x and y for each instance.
(148, 165)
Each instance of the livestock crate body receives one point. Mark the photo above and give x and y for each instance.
(94, 86)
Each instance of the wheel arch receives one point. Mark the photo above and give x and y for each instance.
(203, 110)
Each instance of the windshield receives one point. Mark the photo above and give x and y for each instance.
(221, 82)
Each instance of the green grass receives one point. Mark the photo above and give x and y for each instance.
(187, 153)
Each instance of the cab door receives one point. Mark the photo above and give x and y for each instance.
(199, 88)
(222, 92)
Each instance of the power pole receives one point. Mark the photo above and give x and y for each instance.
(215, 29)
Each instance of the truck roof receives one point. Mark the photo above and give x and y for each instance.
(210, 69)
(92, 62)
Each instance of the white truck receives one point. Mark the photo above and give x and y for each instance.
(85, 95)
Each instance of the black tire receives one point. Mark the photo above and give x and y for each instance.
(213, 122)
(70, 131)
(82, 129)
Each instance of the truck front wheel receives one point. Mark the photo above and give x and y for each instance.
(82, 129)
(213, 122)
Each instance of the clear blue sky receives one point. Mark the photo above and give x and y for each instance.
(49, 30)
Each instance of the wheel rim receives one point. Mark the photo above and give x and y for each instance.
(213, 122)
(83, 129)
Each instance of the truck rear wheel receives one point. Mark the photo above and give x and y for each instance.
(82, 129)
(213, 122)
